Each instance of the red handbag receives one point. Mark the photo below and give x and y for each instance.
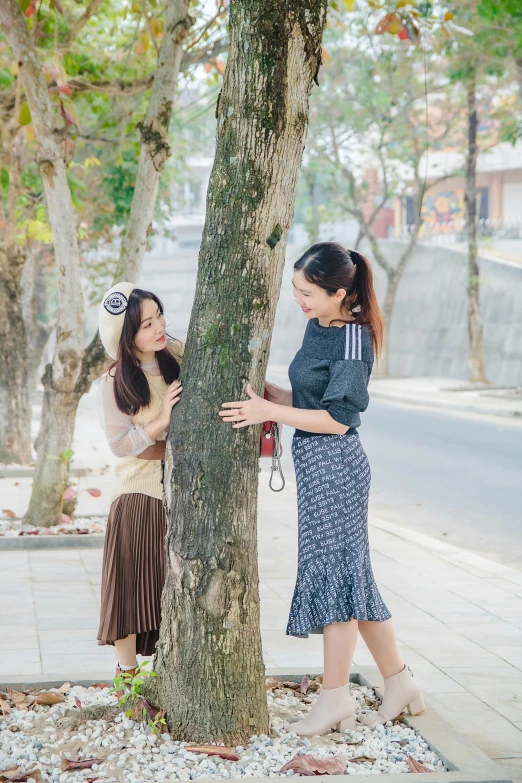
(272, 447)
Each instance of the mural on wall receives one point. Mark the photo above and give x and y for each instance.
(443, 209)
(443, 206)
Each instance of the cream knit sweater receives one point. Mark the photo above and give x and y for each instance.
(127, 438)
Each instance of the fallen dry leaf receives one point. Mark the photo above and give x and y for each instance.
(6, 774)
(15, 696)
(9, 513)
(101, 685)
(215, 750)
(416, 766)
(305, 684)
(64, 688)
(4, 707)
(49, 697)
(78, 702)
(294, 686)
(313, 765)
(68, 764)
(358, 759)
(271, 683)
(15, 775)
(94, 492)
(90, 780)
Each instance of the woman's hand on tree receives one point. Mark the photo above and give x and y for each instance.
(171, 398)
(278, 395)
(252, 411)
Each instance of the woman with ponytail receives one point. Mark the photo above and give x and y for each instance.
(335, 592)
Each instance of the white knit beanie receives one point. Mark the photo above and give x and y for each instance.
(112, 315)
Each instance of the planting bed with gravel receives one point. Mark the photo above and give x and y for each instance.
(83, 526)
(52, 742)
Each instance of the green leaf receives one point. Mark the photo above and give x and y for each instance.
(24, 118)
(4, 179)
(24, 5)
(6, 78)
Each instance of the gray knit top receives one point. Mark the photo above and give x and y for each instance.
(331, 371)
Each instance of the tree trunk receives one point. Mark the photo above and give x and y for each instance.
(54, 447)
(477, 369)
(155, 148)
(15, 407)
(209, 657)
(388, 306)
(61, 376)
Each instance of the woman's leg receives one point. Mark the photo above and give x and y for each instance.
(126, 650)
(339, 640)
(401, 690)
(381, 641)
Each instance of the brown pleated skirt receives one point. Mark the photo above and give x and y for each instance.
(133, 572)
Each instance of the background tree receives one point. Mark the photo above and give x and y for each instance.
(475, 59)
(209, 652)
(381, 110)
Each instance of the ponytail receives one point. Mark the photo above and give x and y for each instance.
(365, 299)
(331, 266)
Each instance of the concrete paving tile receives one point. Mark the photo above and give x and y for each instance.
(17, 618)
(77, 663)
(496, 631)
(274, 614)
(87, 647)
(40, 558)
(497, 745)
(473, 721)
(512, 655)
(19, 655)
(513, 767)
(9, 669)
(458, 654)
(64, 623)
(475, 678)
(437, 683)
(312, 661)
(265, 591)
(84, 633)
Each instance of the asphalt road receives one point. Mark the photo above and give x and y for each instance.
(456, 478)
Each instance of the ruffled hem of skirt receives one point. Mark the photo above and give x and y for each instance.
(331, 597)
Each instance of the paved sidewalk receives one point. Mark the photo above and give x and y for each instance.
(458, 618)
(448, 394)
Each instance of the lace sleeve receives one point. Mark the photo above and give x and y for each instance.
(125, 438)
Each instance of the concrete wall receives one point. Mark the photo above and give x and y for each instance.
(429, 329)
(429, 333)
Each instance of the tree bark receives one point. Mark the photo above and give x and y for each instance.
(476, 363)
(61, 376)
(15, 407)
(209, 657)
(155, 148)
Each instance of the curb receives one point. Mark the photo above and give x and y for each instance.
(445, 405)
(91, 541)
(465, 762)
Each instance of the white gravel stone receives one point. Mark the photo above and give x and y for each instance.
(139, 755)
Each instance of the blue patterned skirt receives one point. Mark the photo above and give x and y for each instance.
(335, 581)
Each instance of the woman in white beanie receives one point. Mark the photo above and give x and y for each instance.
(136, 396)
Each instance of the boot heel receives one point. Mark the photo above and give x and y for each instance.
(417, 706)
(347, 724)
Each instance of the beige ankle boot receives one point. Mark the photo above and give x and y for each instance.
(400, 692)
(334, 707)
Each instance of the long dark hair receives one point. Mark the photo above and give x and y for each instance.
(331, 267)
(131, 388)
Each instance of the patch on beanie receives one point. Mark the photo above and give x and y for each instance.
(116, 303)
